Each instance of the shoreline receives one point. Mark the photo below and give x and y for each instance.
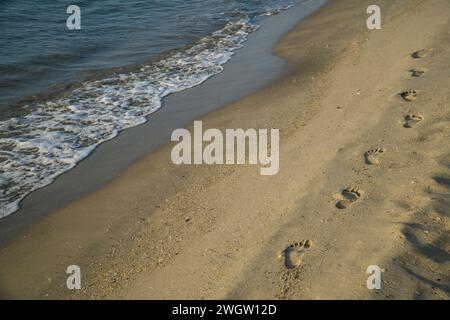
(113, 157)
(162, 231)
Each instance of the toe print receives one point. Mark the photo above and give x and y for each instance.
(412, 119)
(293, 254)
(410, 95)
(418, 72)
(350, 196)
(373, 156)
(421, 53)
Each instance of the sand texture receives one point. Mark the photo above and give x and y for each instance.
(364, 180)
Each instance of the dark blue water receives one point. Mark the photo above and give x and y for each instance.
(38, 52)
(63, 92)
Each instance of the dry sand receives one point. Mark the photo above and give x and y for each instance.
(161, 231)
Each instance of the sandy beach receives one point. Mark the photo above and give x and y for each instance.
(364, 180)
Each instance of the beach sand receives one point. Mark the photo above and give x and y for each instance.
(161, 231)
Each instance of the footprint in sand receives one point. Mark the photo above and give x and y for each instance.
(418, 72)
(421, 53)
(410, 95)
(373, 156)
(350, 195)
(412, 119)
(292, 255)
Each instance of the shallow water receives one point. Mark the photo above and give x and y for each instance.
(37, 50)
(173, 45)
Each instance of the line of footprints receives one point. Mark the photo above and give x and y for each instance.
(292, 256)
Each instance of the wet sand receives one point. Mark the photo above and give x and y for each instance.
(160, 231)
